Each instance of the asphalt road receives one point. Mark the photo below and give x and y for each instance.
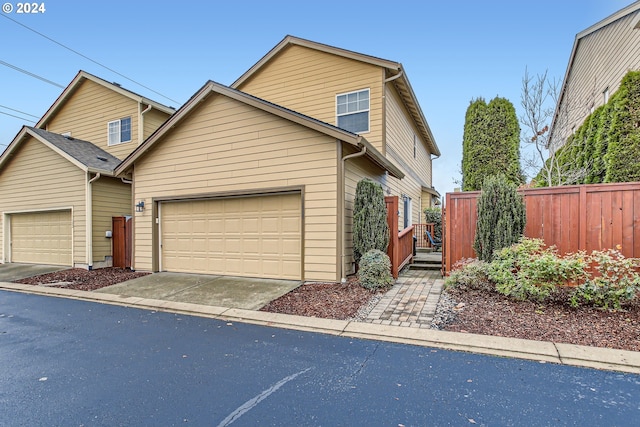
(76, 363)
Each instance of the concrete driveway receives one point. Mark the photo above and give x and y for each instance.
(221, 291)
(14, 271)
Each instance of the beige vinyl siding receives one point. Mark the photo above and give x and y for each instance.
(228, 146)
(307, 81)
(38, 179)
(152, 120)
(111, 197)
(601, 60)
(88, 111)
(400, 132)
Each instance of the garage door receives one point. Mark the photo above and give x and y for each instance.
(41, 237)
(258, 236)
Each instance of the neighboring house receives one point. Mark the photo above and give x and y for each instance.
(259, 179)
(58, 192)
(601, 56)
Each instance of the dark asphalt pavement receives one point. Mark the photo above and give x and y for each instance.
(76, 363)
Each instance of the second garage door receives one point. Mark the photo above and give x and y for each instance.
(41, 237)
(257, 236)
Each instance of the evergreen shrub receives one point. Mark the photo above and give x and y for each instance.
(374, 270)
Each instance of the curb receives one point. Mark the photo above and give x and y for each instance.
(542, 351)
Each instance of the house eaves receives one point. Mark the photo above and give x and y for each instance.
(393, 69)
(75, 84)
(632, 8)
(212, 87)
(83, 154)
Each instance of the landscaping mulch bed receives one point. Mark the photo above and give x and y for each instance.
(327, 300)
(489, 313)
(83, 280)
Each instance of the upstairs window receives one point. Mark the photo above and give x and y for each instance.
(120, 131)
(352, 111)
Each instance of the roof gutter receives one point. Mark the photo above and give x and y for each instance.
(392, 78)
(343, 238)
(141, 121)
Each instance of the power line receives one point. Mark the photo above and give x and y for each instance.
(18, 111)
(6, 64)
(17, 117)
(87, 58)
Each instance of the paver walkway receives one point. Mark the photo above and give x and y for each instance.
(411, 302)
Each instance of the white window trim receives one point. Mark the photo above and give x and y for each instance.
(119, 122)
(368, 110)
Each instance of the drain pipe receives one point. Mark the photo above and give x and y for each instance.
(343, 161)
(89, 219)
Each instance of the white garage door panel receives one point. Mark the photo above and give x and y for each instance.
(41, 238)
(256, 236)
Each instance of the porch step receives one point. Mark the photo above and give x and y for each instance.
(427, 260)
(425, 265)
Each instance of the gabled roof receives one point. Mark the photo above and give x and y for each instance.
(212, 87)
(83, 76)
(632, 8)
(394, 69)
(83, 154)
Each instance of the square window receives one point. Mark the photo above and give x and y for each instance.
(352, 111)
(119, 131)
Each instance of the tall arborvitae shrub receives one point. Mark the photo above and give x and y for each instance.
(501, 217)
(623, 156)
(491, 143)
(370, 229)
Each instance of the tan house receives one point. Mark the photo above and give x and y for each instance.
(58, 192)
(258, 179)
(601, 56)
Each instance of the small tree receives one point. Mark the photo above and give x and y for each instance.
(434, 216)
(370, 229)
(501, 217)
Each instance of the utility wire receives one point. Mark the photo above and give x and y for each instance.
(17, 117)
(87, 58)
(6, 64)
(18, 111)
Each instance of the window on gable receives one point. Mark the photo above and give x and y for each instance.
(352, 111)
(119, 131)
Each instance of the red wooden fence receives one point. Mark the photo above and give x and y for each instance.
(400, 248)
(577, 217)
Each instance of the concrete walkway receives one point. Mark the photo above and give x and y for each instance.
(411, 302)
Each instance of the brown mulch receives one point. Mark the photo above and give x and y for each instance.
(489, 313)
(83, 280)
(326, 300)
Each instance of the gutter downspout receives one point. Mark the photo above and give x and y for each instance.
(141, 121)
(89, 218)
(343, 279)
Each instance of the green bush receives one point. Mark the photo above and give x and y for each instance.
(616, 281)
(469, 274)
(374, 270)
(529, 270)
(370, 229)
(434, 216)
(501, 217)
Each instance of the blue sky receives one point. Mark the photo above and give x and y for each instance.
(452, 51)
